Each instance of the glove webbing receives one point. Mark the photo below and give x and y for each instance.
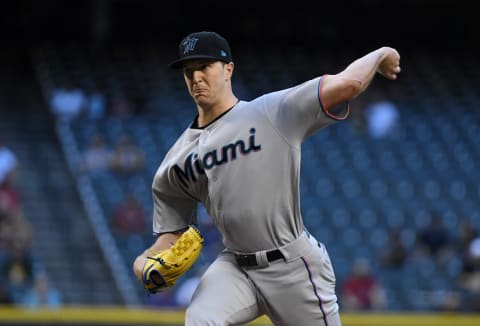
(157, 274)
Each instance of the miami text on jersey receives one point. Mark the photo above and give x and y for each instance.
(196, 164)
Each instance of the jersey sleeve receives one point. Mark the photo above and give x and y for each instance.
(173, 208)
(172, 213)
(297, 112)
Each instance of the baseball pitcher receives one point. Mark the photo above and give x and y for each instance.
(241, 159)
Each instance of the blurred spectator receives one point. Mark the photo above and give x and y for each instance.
(14, 227)
(129, 217)
(16, 234)
(96, 106)
(396, 252)
(381, 116)
(41, 295)
(19, 271)
(97, 157)
(469, 278)
(4, 237)
(466, 234)
(361, 290)
(68, 101)
(8, 164)
(434, 240)
(9, 197)
(5, 244)
(16, 231)
(127, 157)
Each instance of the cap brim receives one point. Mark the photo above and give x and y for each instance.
(179, 63)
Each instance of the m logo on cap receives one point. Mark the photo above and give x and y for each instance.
(189, 44)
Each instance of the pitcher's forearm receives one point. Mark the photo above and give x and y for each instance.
(384, 60)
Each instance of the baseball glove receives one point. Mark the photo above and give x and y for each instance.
(162, 270)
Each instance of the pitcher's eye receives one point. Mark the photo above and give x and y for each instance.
(188, 73)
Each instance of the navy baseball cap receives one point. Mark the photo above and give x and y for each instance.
(203, 45)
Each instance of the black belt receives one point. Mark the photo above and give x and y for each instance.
(250, 260)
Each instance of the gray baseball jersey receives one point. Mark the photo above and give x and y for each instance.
(245, 168)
